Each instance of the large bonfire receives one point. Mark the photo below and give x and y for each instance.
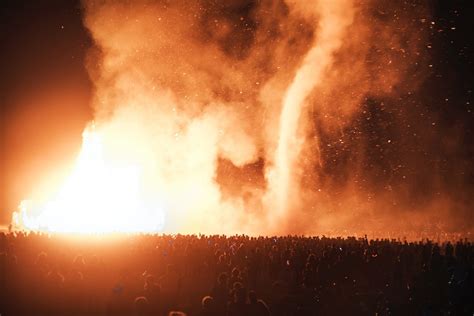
(182, 89)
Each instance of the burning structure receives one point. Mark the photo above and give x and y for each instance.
(244, 117)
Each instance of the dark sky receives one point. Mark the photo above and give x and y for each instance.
(45, 90)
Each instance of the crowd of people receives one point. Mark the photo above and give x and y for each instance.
(43, 274)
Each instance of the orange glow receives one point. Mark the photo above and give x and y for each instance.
(284, 100)
(99, 196)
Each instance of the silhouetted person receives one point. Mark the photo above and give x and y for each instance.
(257, 307)
(208, 307)
(235, 276)
(170, 286)
(152, 291)
(141, 306)
(239, 306)
(220, 294)
(176, 313)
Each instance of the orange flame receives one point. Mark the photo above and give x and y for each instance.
(98, 196)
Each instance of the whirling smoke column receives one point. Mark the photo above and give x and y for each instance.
(334, 19)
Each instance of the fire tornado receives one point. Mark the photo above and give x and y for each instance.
(334, 18)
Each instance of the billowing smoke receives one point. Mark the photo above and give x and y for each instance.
(173, 96)
(268, 116)
(186, 89)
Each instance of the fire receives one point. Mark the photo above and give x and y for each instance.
(98, 196)
(183, 88)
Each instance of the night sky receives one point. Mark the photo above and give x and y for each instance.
(45, 98)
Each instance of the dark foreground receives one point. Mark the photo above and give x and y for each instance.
(199, 275)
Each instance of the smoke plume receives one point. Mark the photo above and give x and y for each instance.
(224, 106)
(268, 116)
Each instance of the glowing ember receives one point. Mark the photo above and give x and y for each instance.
(98, 196)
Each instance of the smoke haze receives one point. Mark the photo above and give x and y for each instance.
(276, 116)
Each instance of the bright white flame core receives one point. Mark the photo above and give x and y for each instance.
(99, 196)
